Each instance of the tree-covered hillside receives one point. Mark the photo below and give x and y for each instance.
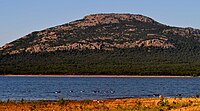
(138, 61)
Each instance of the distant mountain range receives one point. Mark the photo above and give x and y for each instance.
(105, 44)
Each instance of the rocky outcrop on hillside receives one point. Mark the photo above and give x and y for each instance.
(184, 32)
(101, 32)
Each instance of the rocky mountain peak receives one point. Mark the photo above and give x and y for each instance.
(102, 32)
(100, 19)
(109, 18)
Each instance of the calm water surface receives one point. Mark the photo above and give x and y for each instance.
(81, 88)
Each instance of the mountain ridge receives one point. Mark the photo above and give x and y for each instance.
(55, 34)
(128, 44)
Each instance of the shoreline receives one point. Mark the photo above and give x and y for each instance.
(124, 104)
(100, 76)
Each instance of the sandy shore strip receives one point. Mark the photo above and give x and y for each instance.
(103, 76)
(126, 104)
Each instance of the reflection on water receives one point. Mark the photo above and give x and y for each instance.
(81, 88)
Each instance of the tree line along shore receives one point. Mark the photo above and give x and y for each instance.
(139, 62)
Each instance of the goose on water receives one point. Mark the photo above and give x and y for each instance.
(58, 92)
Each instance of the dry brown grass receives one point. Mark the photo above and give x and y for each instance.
(128, 104)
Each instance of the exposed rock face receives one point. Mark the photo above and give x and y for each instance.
(100, 19)
(184, 32)
(101, 32)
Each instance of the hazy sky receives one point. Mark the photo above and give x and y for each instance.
(20, 17)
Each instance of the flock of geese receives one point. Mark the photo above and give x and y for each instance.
(94, 92)
(112, 92)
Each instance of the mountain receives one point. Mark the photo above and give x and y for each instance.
(105, 44)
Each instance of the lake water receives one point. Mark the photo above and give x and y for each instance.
(82, 88)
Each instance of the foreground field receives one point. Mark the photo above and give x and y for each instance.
(127, 104)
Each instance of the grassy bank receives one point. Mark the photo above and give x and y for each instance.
(127, 104)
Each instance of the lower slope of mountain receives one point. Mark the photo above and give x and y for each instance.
(105, 44)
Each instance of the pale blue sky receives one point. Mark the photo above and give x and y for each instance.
(20, 17)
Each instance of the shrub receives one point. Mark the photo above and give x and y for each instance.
(61, 102)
